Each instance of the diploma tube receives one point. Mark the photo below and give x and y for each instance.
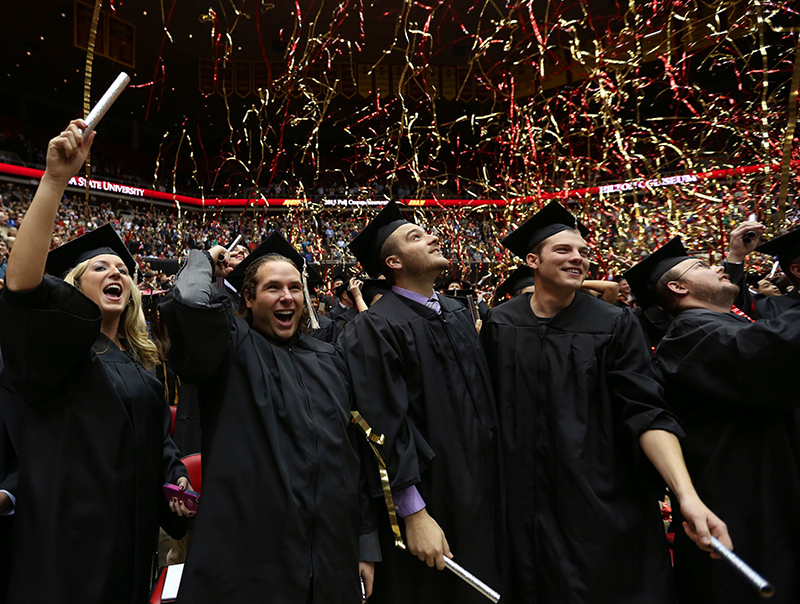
(764, 587)
(235, 242)
(103, 105)
(466, 576)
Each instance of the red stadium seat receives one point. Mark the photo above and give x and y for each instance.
(193, 467)
(192, 463)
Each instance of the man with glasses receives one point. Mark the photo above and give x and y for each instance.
(732, 383)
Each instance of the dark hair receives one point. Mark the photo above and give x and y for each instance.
(390, 247)
(664, 296)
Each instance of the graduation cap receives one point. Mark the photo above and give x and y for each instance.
(103, 240)
(786, 248)
(373, 287)
(340, 276)
(642, 277)
(339, 290)
(753, 279)
(366, 246)
(551, 219)
(274, 244)
(461, 293)
(520, 278)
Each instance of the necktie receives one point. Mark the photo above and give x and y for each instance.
(434, 305)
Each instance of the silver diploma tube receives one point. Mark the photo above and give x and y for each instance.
(472, 580)
(764, 587)
(106, 101)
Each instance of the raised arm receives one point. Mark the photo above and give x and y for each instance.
(608, 289)
(65, 156)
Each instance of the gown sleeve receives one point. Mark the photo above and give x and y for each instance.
(637, 397)
(744, 301)
(744, 363)
(381, 396)
(45, 334)
(199, 321)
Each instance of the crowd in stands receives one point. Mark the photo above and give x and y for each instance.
(167, 233)
(470, 240)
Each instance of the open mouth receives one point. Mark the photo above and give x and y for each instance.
(284, 317)
(573, 271)
(113, 291)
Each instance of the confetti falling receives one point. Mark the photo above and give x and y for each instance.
(514, 101)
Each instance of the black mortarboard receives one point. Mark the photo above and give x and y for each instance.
(551, 219)
(103, 240)
(753, 279)
(342, 288)
(274, 244)
(366, 246)
(786, 248)
(372, 287)
(643, 276)
(520, 278)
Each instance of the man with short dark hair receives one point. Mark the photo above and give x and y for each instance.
(580, 416)
(421, 380)
(732, 383)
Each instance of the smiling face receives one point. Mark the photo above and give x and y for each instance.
(107, 283)
(238, 254)
(768, 288)
(562, 262)
(277, 300)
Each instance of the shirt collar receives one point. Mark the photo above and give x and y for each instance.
(414, 295)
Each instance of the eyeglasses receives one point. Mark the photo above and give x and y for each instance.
(695, 265)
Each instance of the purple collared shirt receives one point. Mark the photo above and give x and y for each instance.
(431, 301)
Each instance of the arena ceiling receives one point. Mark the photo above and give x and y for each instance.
(514, 97)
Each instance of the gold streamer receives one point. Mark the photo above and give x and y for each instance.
(374, 440)
(87, 85)
(789, 136)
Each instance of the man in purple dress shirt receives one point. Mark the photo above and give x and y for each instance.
(421, 380)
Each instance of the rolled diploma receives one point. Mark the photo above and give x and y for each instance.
(468, 577)
(105, 102)
(757, 580)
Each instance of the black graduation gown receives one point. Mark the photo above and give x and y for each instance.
(279, 513)
(733, 384)
(9, 475)
(421, 380)
(342, 316)
(574, 397)
(654, 322)
(94, 451)
(328, 330)
(770, 307)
